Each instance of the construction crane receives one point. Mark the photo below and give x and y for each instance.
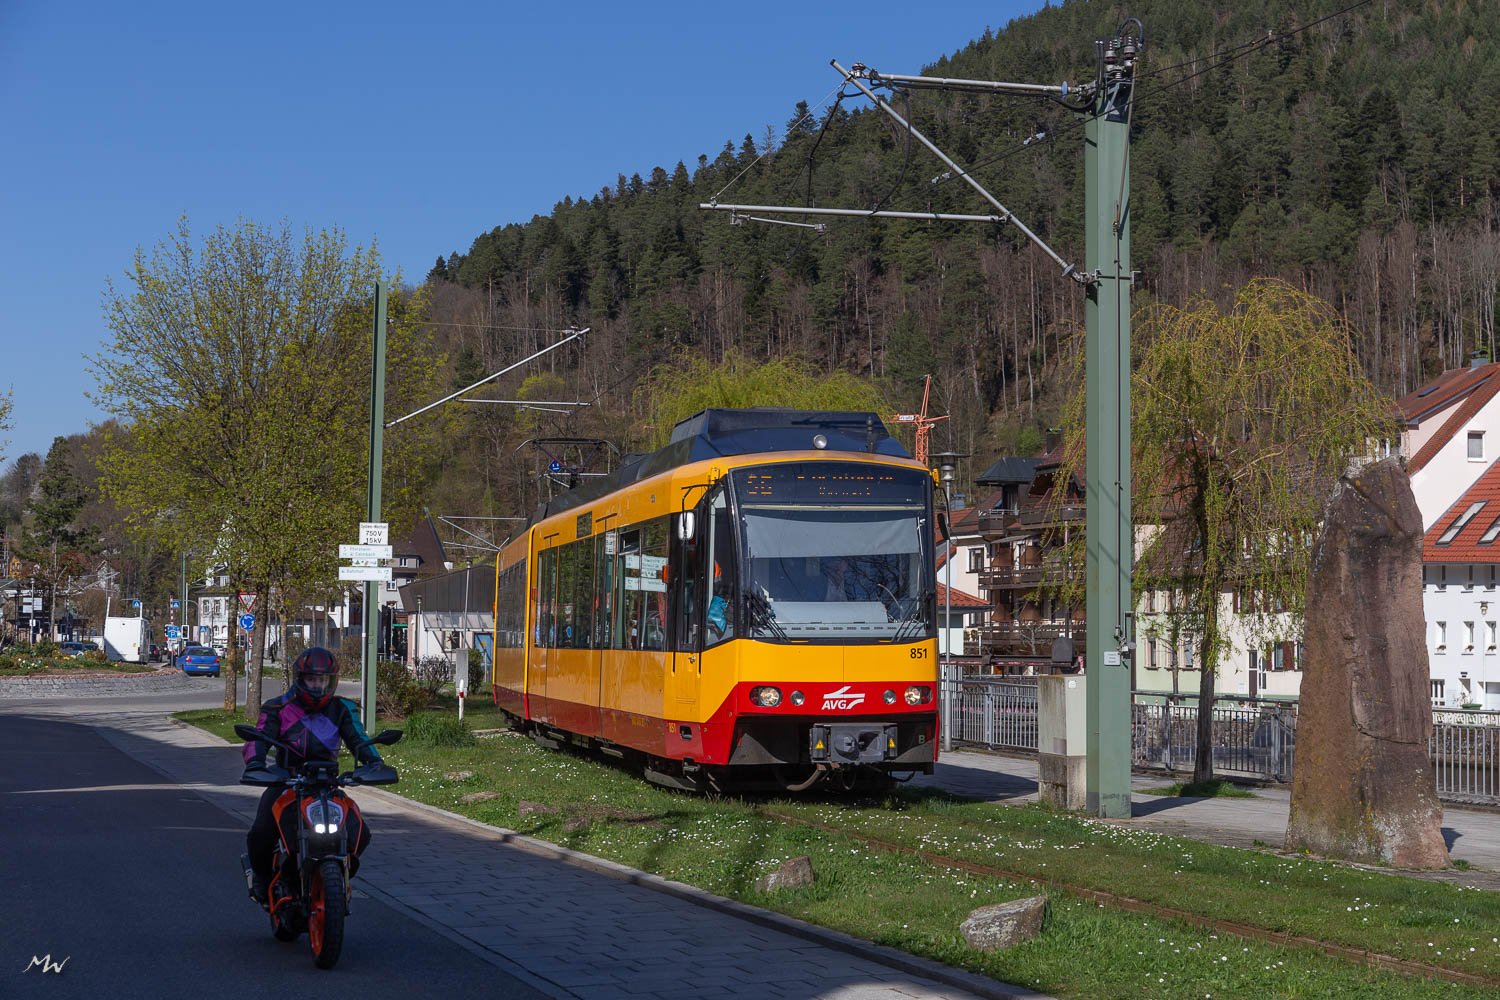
(921, 421)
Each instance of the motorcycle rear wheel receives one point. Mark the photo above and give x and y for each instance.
(325, 922)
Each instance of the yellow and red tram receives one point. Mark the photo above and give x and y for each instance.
(753, 604)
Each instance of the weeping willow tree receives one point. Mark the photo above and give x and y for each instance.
(1242, 420)
(672, 392)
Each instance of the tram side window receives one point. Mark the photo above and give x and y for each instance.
(576, 593)
(628, 591)
(604, 586)
(546, 598)
(511, 607)
(641, 587)
(719, 563)
(653, 625)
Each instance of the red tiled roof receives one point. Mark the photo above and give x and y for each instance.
(1465, 546)
(1452, 385)
(1482, 392)
(960, 599)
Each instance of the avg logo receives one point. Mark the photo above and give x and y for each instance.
(842, 700)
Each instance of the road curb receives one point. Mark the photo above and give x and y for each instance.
(849, 944)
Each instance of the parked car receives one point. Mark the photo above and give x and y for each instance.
(76, 648)
(199, 660)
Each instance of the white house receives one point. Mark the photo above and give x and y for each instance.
(1450, 434)
(1460, 557)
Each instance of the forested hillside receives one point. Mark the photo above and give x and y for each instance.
(1356, 155)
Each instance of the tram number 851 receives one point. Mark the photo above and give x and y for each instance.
(918, 652)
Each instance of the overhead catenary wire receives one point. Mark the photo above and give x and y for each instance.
(812, 110)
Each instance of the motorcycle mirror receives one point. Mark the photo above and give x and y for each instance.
(245, 732)
(388, 736)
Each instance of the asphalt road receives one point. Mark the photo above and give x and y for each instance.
(132, 884)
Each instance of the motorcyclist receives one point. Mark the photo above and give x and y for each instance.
(309, 718)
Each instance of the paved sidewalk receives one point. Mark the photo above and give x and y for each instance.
(565, 923)
(1473, 835)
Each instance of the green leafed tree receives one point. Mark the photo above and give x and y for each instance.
(239, 369)
(675, 391)
(1242, 421)
(6, 403)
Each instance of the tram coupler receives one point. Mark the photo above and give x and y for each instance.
(852, 742)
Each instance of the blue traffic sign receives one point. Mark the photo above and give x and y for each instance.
(554, 467)
(247, 622)
(176, 604)
(174, 632)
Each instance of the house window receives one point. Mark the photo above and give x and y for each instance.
(1489, 637)
(1151, 654)
(976, 560)
(1476, 446)
(1468, 577)
(1468, 637)
(1489, 536)
(1461, 523)
(1437, 693)
(1440, 633)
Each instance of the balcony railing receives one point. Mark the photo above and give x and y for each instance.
(1008, 577)
(1035, 517)
(996, 522)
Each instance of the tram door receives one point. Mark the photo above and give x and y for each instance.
(684, 601)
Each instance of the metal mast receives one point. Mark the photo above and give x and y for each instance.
(1106, 277)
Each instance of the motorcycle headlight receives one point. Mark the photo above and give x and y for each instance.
(324, 817)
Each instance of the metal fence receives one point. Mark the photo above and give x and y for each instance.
(1256, 739)
(1251, 738)
(1465, 751)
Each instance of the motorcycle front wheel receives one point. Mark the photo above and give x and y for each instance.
(325, 922)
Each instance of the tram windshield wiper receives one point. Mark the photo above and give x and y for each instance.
(762, 615)
(914, 621)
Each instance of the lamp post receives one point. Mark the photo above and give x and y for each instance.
(948, 683)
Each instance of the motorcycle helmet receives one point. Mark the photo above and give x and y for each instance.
(315, 676)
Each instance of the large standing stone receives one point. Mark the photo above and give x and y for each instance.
(1362, 787)
(1005, 925)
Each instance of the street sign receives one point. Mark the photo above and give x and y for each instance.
(554, 466)
(365, 573)
(247, 622)
(135, 602)
(366, 562)
(365, 552)
(374, 533)
(176, 604)
(247, 601)
(174, 632)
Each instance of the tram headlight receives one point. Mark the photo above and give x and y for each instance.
(765, 697)
(918, 694)
(889, 697)
(798, 697)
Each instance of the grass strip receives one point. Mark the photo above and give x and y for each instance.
(1173, 913)
(1089, 948)
(1365, 911)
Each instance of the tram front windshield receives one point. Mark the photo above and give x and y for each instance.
(837, 552)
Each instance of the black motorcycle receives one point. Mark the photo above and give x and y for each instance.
(311, 891)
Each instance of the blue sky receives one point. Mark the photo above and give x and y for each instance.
(414, 126)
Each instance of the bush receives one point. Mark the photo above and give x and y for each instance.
(476, 670)
(439, 730)
(396, 692)
(430, 673)
(46, 647)
(351, 650)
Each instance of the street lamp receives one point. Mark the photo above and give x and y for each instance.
(947, 682)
